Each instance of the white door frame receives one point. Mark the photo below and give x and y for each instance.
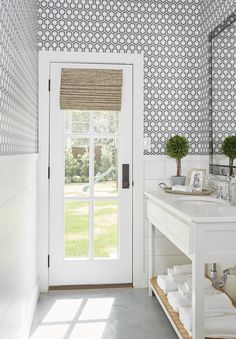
(136, 60)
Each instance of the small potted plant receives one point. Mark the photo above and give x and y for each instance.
(229, 149)
(177, 147)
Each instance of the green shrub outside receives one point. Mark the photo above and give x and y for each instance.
(77, 167)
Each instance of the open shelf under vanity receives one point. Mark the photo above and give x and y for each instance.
(170, 313)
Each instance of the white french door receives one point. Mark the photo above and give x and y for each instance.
(90, 188)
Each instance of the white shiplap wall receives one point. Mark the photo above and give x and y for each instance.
(159, 169)
(18, 237)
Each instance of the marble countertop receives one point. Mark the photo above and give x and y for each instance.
(194, 209)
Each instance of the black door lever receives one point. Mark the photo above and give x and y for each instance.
(125, 176)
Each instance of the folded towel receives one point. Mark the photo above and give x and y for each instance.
(224, 327)
(217, 301)
(213, 300)
(220, 312)
(176, 300)
(209, 290)
(182, 188)
(183, 292)
(215, 327)
(178, 277)
(183, 269)
(188, 284)
(185, 288)
(185, 316)
(166, 283)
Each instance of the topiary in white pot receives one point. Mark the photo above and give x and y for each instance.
(177, 147)
(229, 149)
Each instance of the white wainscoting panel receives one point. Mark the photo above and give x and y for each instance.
(18, 244)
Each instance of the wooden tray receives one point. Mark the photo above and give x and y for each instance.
(169, 190)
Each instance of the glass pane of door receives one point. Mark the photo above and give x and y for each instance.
(76, 218)
(106, 229)
(76, 167)
(106, 122)
(76, 121)
(105, 167)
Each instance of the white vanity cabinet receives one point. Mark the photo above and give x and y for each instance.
(203, 228)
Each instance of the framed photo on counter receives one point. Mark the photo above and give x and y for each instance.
(196, 179)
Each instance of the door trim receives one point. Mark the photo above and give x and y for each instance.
(136, 60)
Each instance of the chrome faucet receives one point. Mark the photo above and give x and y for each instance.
(228, 196)
(228, 181)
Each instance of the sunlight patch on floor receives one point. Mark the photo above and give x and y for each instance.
(97, 309)
(50, 331)
(63, 310)
(83, 318)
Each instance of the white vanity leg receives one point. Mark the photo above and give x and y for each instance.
(198, 302)
(150, 257)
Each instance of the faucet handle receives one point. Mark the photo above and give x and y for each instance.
(223, 171)
(219, 194)
(209, 181)
(233, 182)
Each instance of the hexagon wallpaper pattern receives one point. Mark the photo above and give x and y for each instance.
(18, 77)
(167, 32)
(171, 34)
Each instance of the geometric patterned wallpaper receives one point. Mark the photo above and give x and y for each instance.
(167, 32)
(215, 12)
(18, 77)
(173, 37)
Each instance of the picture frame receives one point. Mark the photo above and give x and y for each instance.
(196, 179)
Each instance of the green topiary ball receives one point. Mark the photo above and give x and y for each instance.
(229, 147)
(177, 147)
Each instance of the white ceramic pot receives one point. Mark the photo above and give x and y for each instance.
(178, 180)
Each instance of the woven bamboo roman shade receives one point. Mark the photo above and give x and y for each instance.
(91, 89)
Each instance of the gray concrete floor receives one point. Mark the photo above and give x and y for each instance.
(123, 313)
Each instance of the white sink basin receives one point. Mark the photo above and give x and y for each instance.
(201, 201)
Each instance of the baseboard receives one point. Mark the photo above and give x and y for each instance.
(88, 287)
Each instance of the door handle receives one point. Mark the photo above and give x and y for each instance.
(125, 176)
